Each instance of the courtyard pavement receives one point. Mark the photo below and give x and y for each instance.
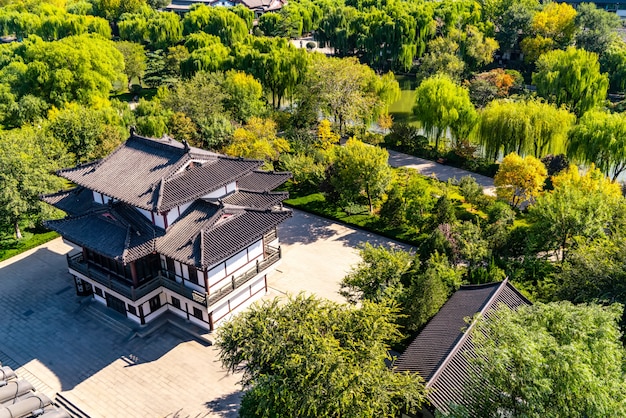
(65, 346)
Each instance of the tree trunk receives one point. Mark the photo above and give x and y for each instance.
(369, 199)
(18, 233)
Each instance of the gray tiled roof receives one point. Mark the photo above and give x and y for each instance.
(261, 200)
(208, 232)
(440, 351)
(260, 181)
(117, 231)
(143, 172)
(73, 202)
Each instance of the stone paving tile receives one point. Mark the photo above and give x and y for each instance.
(44, 329)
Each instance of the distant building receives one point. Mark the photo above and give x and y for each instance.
(441, 350)
(618, 7)
(162, 226)
(257, 6)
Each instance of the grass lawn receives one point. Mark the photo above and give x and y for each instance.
(10, 247)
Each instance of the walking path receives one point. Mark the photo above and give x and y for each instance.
(439, 171)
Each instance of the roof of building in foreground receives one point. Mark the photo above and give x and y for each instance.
(441, 350)
(208, 230)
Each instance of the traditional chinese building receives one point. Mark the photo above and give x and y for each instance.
(162, 226)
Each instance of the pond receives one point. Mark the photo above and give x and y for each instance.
(402, 110)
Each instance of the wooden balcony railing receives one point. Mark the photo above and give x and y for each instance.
(165, 279)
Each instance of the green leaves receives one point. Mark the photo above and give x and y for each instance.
(556, 359)
(27, 163)
(572, 78)
(442, 104)
(314, 358)
(524, 127)
(361, 169)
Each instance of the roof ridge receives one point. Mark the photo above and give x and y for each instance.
(160, 198)
(465, 335)
(126, 243)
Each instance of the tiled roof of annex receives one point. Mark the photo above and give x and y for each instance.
(159, 174)
(440, 352)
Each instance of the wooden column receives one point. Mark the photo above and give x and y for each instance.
(133, 273)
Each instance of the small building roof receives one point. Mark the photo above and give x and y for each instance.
(73, 202)
(261, 200)
(117, 231)
(261, 181)
(159, 174)
(441, 350)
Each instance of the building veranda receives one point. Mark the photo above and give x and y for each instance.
(162, 226)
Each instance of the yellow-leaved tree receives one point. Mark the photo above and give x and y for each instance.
(257, 139)
(519, 179)
(326, 138)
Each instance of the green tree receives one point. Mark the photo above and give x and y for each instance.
(572, 78)
(348, 91)
(580, 343)
(418, 195)
(361, 169)
(310, 358)
(28, 160)
(519, 179)
(578, 206)
(443, 57)
(218, 21)
(377, 277)
(134, 60)
(278, 65)
(613, 62)
(429, 287)
(82, 68)
(600, 138)
(524, 127)
(79, 128)
(441, 104)
(199, 98)
(594, 271)
(597, 28)
(244, 96)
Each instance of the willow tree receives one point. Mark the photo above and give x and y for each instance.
(600, 138)
(217, 21)
(524, 127)
(442, 104)
(572, 78)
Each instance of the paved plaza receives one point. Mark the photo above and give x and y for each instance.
(65, 346)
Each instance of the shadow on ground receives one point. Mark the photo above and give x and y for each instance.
(226, 406)
(44, 320)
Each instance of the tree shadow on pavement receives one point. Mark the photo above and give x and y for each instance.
(226, 406)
